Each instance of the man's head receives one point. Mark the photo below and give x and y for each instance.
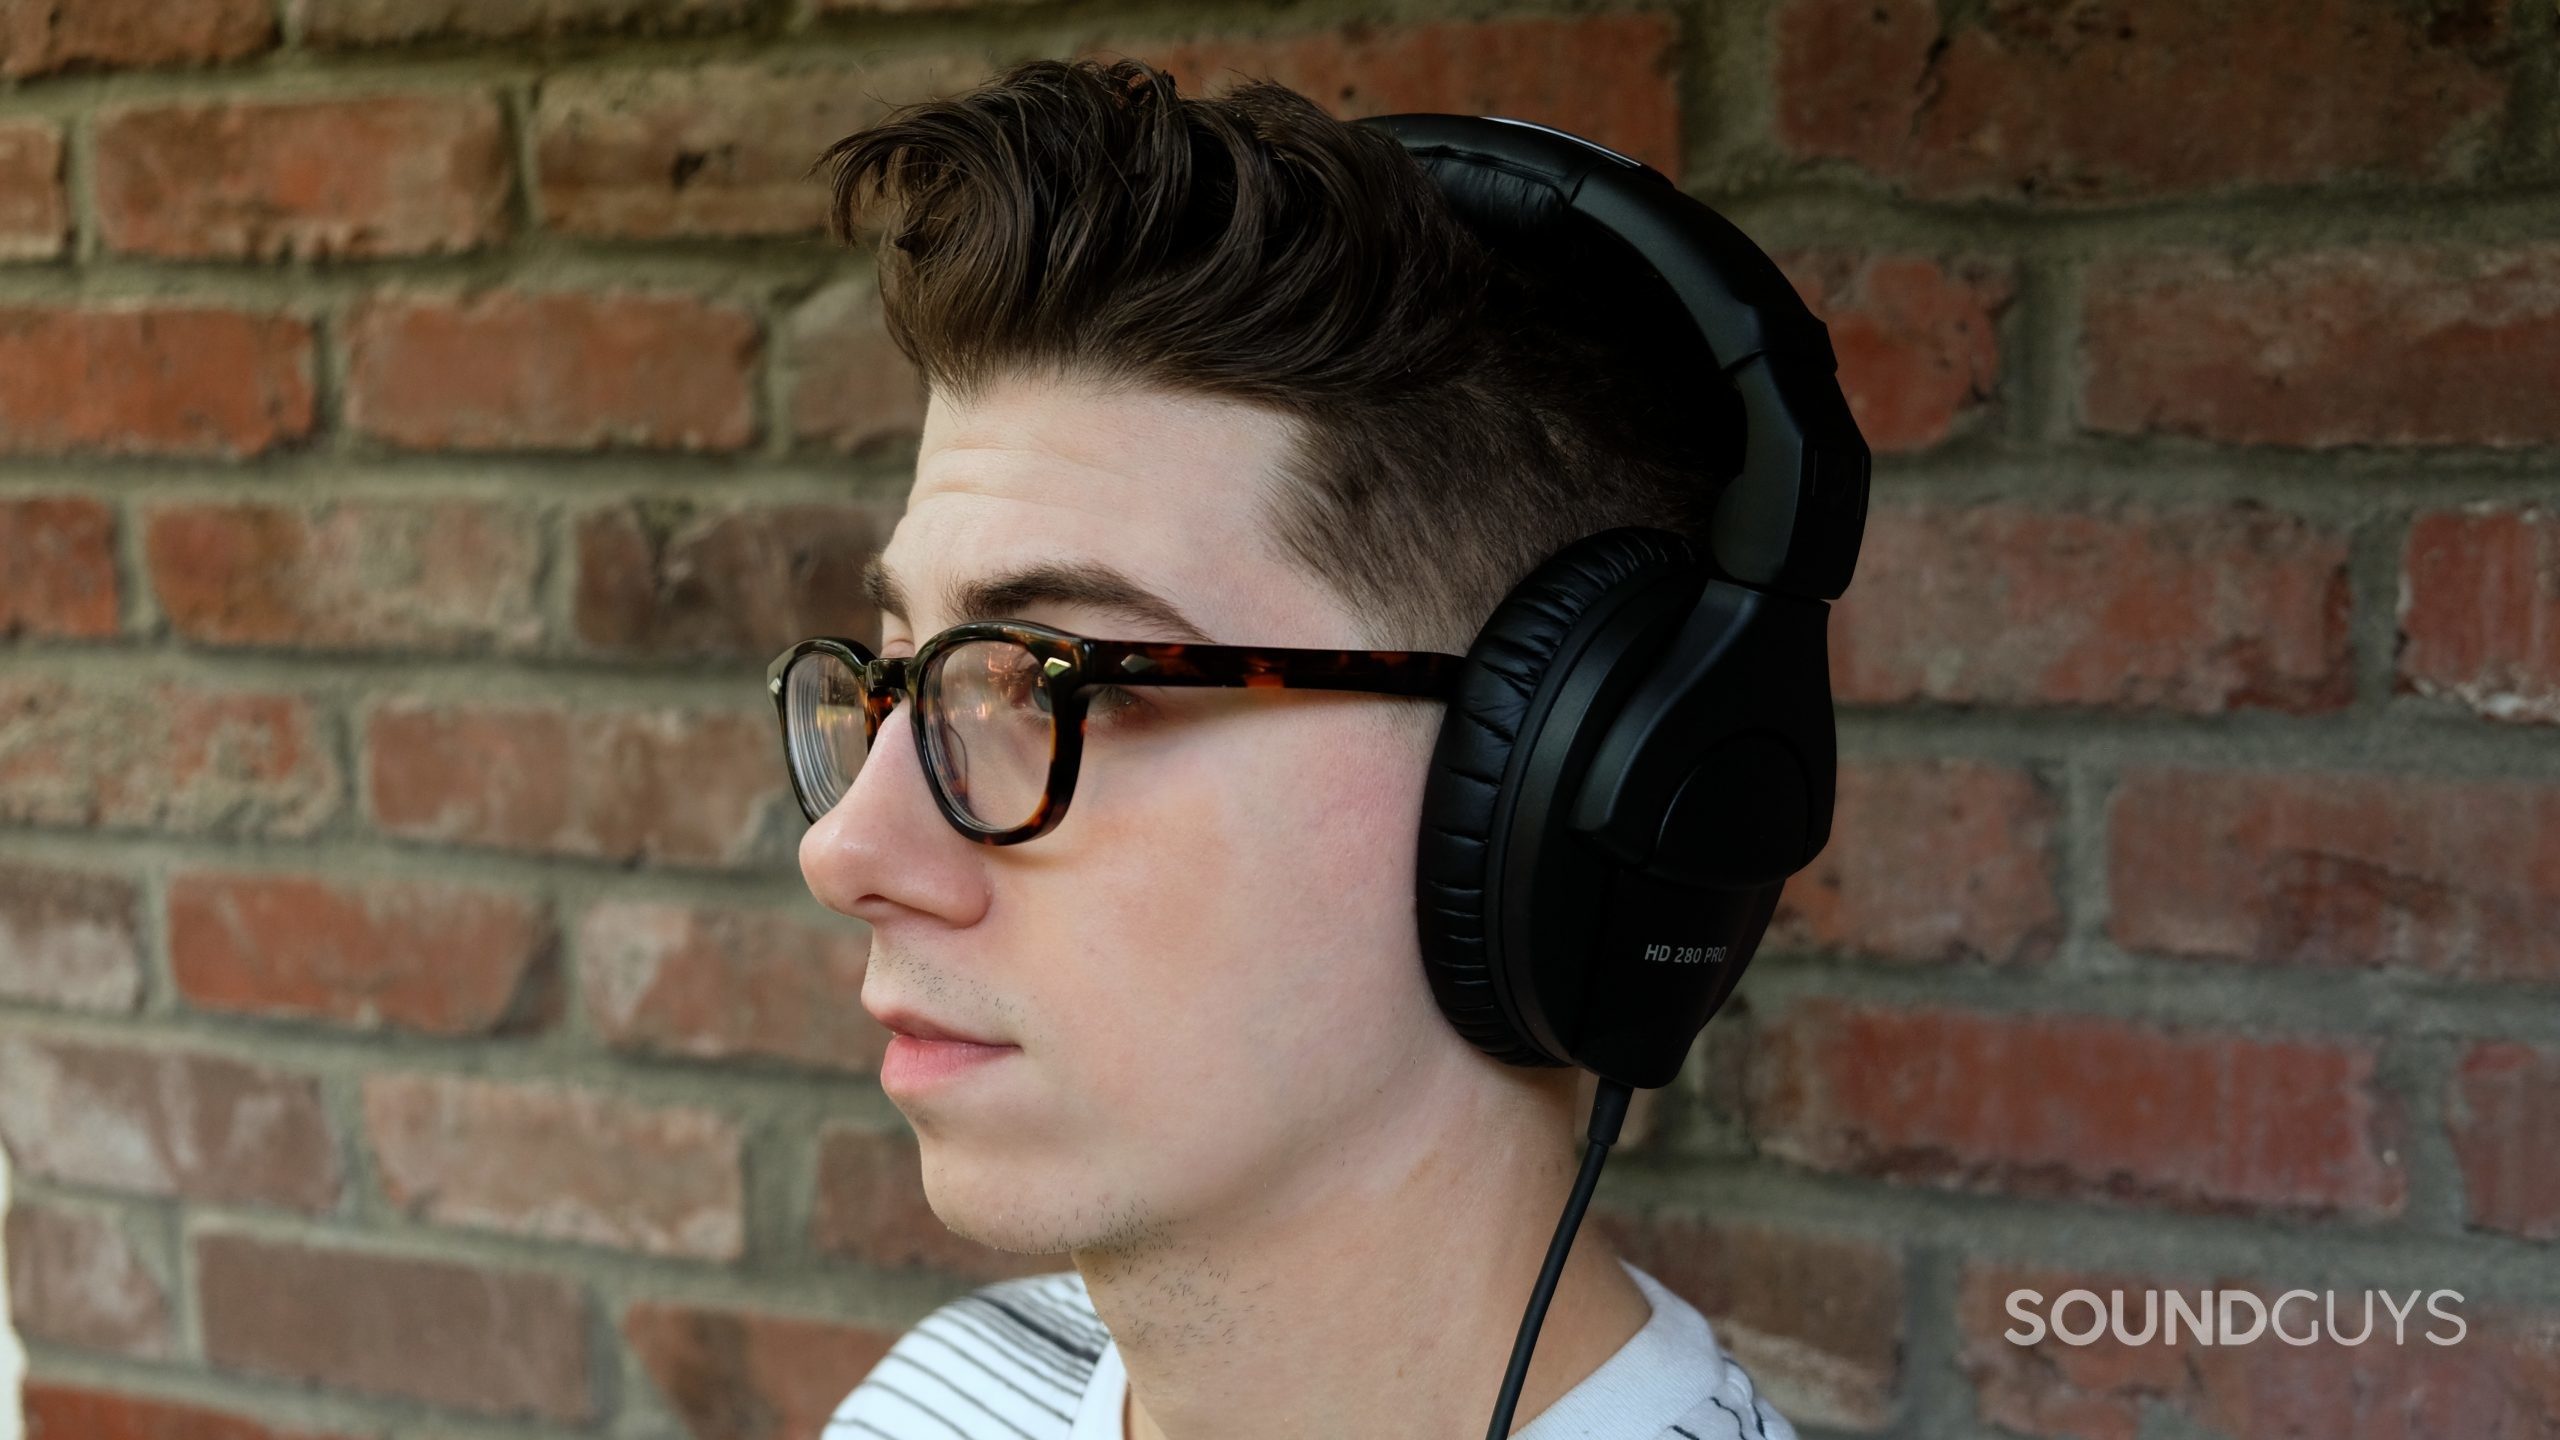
(1241, 354)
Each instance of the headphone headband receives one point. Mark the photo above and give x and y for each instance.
(1791, 517)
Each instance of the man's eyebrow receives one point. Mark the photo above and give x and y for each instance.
(1090, 584)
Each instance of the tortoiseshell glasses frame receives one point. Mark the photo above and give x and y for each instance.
(1065, 669)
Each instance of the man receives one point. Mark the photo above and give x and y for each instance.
(1224, 371)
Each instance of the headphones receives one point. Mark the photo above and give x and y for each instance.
(1639, 749)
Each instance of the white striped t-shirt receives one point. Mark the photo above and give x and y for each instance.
(1028, 1359)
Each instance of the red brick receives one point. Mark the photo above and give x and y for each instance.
(336, 23)
(727, 983)
(2479, 587)
(1918, 339)
(490, 1342)
(744, 1375)
(168, 756)
(40, 36)
(377, 175)
(716, 149)
(2504, 1115)
(852, 391)
(2074, 1105)
(166, 1123)
(520, 370)
(666, 579)
(713, 149)
(1717, 1082)
(2495, 1382)
(1816, 1319)
(2459, 878)
(2017, 101)
(76, 1277)
(2410, 347)
(2202, 609)
(555, 1163)
(60, 1412)
(137, 380)
(441, 575)
(33, 217)
(1952, 861)
(1611, 77)
(69, 937)
(409, 955)
(663, 786)
(58, 567)
(871, 1207)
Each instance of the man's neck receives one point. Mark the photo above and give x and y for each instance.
(1379, 1294)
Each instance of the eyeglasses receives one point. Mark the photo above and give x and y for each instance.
(999, 708)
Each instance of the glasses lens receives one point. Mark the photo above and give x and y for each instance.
(823, 704)
(990, 731)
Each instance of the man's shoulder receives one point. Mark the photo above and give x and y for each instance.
(1732, 1407)
(1011, 1358)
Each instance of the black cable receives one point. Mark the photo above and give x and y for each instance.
(1608, 1111)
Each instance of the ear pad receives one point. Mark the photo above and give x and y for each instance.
(1547, 616)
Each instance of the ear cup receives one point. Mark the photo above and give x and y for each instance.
(1546, 615)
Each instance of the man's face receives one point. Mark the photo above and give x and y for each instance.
(1210, 966)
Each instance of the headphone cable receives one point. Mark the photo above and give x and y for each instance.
(1608, 1110)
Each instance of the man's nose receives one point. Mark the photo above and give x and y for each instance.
(885, 843)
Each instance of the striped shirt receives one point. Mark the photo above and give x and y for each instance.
(1028, 1359)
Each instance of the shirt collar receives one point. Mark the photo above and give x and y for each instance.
(1664, 1371)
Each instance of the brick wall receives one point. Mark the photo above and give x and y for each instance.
(419, 421)
(13, 1355)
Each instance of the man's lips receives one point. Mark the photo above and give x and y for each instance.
(908, 1022)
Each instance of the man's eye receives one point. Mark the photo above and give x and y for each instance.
(1110, 703)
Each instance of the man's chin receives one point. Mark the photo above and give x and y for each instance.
(1044, 1241)
(996, 1196)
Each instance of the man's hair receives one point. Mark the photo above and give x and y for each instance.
(1460, 418)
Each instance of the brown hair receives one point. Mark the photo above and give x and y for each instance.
(1456, 423)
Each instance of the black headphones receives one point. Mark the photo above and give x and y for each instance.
(1640, 749)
